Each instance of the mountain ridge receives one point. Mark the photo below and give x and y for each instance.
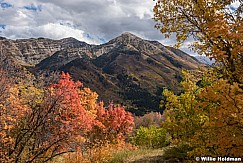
(127, 69)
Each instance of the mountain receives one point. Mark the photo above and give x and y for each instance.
(127, 70)
(32, 51)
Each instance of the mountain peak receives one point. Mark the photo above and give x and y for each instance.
(69, 39)
(126, 38)
(128, 34)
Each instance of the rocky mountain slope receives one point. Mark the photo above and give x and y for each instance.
(127, 70)
(32, 51)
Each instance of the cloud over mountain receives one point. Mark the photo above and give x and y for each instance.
(92, 21)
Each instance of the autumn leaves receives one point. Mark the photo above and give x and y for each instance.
(207, 115)
(58, 119)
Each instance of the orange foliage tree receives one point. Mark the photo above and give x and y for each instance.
(11, 111)
(56, 120)
(111, 124)
(6, 119)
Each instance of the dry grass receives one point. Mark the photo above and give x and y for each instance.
(110, 154)
(136, 155)
(167, 154)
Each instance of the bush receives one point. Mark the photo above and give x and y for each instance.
(149, 119)
(151, 137)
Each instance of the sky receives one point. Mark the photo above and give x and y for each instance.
(92, 21)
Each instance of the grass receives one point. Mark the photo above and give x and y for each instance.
(127, 156)
(143, 155)
(140, 155)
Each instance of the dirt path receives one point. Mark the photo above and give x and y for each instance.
(155, 156)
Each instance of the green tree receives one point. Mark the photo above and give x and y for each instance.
(151, 137)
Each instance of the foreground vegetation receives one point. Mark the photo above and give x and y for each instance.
(207, 116)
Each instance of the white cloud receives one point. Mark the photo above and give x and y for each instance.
(103, 18)
(80, 19)
(236, 4)
(50, 30)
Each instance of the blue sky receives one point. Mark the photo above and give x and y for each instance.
(5, 5)
(33, 7)
(92, 21)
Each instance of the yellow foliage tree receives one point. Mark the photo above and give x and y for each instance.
(11, 111)
(89, 100)
(208, 116)
(216, 27)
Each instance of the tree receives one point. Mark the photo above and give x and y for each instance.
(11, 111)
(207, 116)
(52, 124)
(39, 124)
(111, 125)
(151, 137)
(216, 27)
(5, 126)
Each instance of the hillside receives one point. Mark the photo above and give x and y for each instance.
(127, 70)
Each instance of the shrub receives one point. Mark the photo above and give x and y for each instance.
(151, 137)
